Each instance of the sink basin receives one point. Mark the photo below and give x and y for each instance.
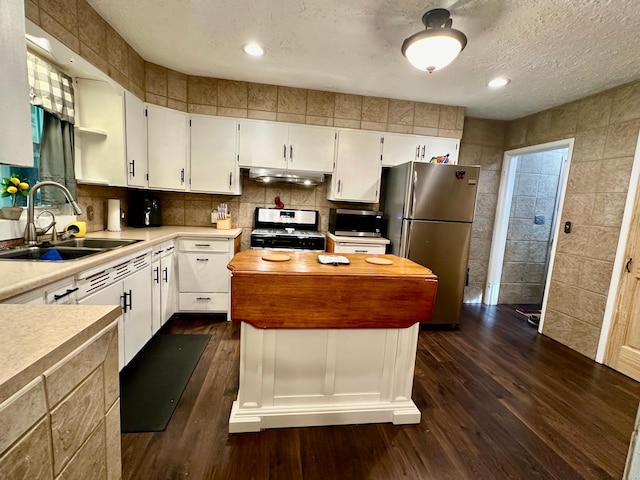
(104, 243)
(35, 253)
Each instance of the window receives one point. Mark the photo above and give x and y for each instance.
(32, 173)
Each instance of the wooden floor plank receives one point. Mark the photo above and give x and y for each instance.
(498, 400)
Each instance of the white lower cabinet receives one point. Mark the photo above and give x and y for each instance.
(126, 284)
(163, 286)
(203, 277)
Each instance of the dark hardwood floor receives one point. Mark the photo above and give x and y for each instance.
(497, 401)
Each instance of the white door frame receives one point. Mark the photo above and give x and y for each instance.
(503, 208)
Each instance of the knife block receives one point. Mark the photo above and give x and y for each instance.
(224, 223)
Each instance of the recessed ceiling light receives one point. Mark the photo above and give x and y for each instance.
(253, 49)
(498, 82)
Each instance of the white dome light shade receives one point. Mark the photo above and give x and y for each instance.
(253, 49)
(432, 52)
(437, 46)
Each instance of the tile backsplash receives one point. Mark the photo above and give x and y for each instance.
(194, 209)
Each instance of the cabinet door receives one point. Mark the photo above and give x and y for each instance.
(311, 149)
(156, 295)
(203, 272)
(397, 149)
(439, 146)
(214, 166)
(111, 295)
(169, 290)
(135, 140)
(137, 319)
(15, 134)
(356, 176)
(263, 144)
(167, 148)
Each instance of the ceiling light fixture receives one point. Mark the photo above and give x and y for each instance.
(438, 45)
(253, 49)
(498, 82)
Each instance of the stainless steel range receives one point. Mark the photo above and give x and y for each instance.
(283, 229)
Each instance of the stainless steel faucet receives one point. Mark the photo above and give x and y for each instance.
(30, 231)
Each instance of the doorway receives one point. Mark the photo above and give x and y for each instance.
(531, 192)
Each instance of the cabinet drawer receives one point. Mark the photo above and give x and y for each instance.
(64, 295)
(204, 244)
(359, 248)
(203, 272)
(203, 302)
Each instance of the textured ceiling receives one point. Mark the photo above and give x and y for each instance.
(553, 51)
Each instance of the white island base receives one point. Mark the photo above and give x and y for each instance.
(306, 377)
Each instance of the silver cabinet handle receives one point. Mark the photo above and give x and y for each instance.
(203, 298)
(291, 153)
(182, 175)
(202, 244)
(156, 277)
(284, 152)
(132, 170)
(230, 177)
(166, 274)
(202, 259)
(423, 148)
(339, 181)
(360, 251)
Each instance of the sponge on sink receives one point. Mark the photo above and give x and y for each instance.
(52, 254)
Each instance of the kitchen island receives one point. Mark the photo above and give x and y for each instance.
(326, 344)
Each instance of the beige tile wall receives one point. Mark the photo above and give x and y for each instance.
(76, 24)
(482, 144)
(605, 127)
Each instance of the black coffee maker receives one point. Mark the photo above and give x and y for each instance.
(144, 210)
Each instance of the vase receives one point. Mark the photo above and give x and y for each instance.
(11, 213)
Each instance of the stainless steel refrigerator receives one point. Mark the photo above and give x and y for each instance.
(429, 210)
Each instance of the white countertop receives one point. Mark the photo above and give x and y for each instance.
(35, 342)
(370, 240)
(20, 276)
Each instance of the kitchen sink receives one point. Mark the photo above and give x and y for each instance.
(105, 243)
(36, 253)
(67, 249)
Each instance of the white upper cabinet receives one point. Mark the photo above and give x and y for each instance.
(136, 140)
(167, 148)
(214, 157)
(356, 176)
(15, 117)
(99, 133)
(439, 146)
(311, 149)
(398, 148)
(263, 144)
(279, 145)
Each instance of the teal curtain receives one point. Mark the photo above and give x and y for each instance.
(57, 159)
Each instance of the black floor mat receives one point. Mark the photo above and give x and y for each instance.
(152, 384)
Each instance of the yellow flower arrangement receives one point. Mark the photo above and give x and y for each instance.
(15, 186)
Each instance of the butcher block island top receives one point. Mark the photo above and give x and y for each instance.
(303, 293)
